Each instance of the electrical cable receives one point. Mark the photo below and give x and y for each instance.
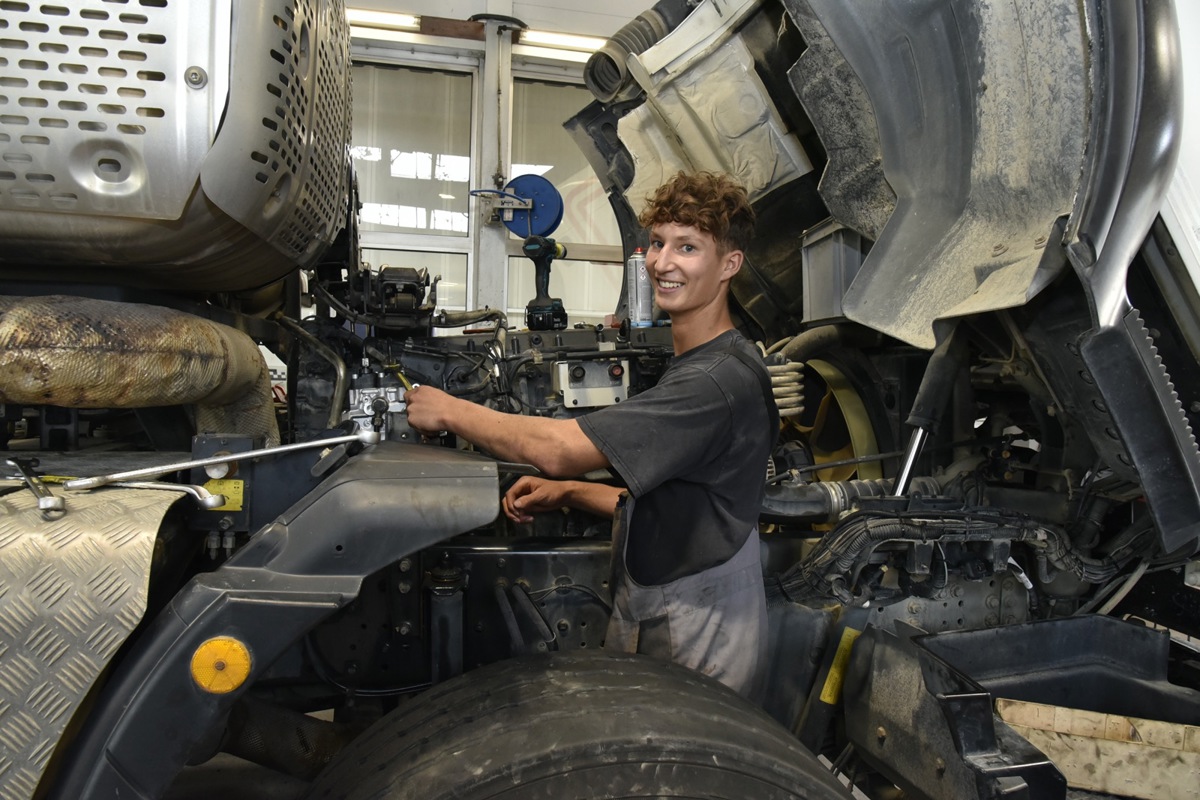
(1109, 596)
(845, 462)
(370, 320)
(1126, 587)
(836, 766)
(838, 559)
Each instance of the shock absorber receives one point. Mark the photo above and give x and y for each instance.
(936, 386)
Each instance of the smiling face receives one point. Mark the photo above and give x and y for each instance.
(690, 272)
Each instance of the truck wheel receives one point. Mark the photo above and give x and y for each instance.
(576, 725)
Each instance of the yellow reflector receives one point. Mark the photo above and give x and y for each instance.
(220, 665)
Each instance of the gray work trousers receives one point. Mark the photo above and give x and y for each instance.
(714, 622)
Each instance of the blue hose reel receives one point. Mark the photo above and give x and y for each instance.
(535, 224)
(547, 206)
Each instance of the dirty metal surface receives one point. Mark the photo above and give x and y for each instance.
(71, 591)
(1121, 755)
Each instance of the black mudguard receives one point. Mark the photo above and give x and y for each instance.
(389, 502)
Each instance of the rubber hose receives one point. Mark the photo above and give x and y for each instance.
(815, 341)
(456, 319)
(606, 73)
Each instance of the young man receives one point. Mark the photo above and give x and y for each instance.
(687, 582)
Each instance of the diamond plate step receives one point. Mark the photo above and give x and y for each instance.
(71, 591)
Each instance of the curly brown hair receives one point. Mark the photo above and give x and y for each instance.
(712, 202)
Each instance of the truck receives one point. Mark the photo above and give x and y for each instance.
(978, 310)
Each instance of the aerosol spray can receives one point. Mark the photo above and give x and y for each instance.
(639, 291)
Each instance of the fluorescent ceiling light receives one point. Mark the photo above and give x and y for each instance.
(550, 53)
(385, 20)
(565, 41)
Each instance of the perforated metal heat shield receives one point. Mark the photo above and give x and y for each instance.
(186, 145)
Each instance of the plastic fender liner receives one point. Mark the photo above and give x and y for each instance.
(981, 164)
(386, 503)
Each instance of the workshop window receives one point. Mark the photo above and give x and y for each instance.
(541, 146)
(589, 289)
(412, 149)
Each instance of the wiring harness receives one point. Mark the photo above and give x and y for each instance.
(834, 566)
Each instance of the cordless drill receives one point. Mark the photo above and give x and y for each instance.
(544, 313)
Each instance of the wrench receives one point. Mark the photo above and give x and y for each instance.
(366, 437)
(51, 507)
(203, 497)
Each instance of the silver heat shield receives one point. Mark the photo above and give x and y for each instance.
(199, 145)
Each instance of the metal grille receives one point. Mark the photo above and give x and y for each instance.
(294, 188)
(89, 107)
(316, 208)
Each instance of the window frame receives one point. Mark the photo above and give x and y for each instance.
(416, 51)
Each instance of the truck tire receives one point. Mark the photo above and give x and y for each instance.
(576, 725)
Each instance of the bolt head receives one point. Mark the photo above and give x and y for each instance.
(195, 77)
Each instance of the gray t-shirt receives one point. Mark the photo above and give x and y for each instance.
(693, 451)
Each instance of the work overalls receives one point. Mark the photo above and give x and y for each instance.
(714, 622)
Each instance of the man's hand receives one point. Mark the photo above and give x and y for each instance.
(530, 496)
(427, 409)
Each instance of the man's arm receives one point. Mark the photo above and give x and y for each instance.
(557, 447)
(530, 496)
